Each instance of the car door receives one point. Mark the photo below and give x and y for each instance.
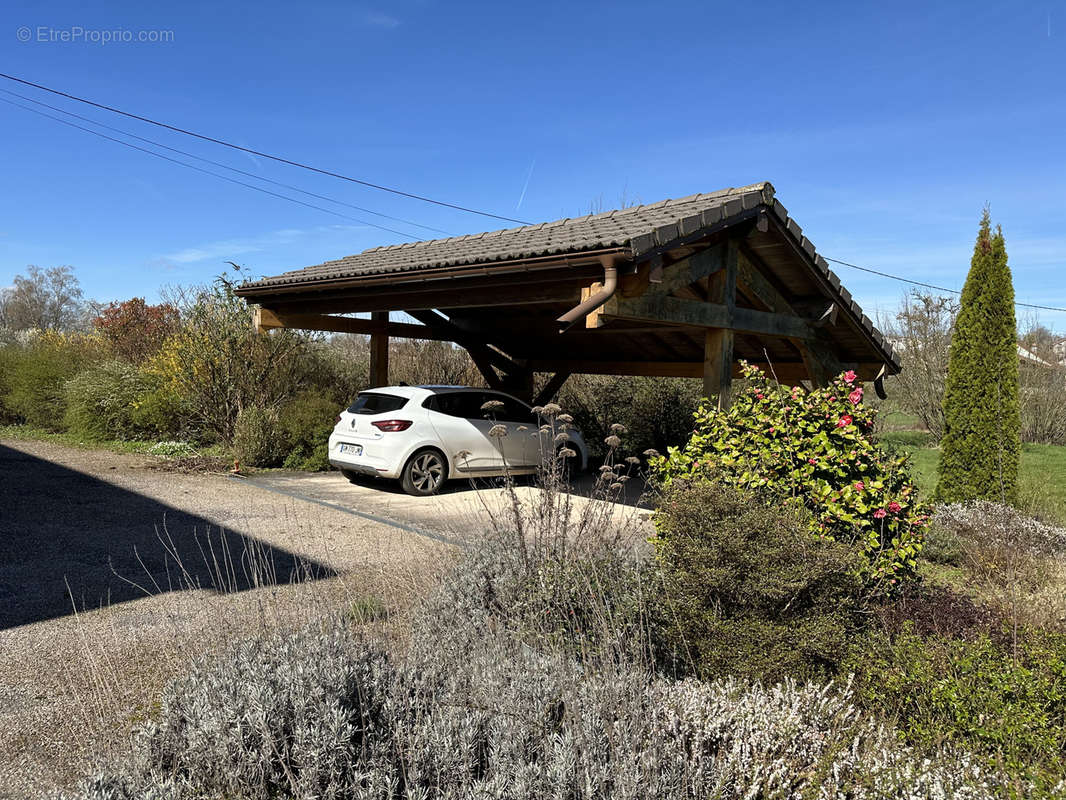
(463, 430)
(521, 446)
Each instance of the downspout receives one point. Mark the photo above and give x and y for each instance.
(591, 303)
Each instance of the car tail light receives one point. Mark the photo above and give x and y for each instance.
(391, 425)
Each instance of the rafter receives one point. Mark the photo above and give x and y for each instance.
(677, 311)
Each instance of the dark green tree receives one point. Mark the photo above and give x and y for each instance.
(981, 445)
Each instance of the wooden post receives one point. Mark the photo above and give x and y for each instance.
(718, 365)
(718, 342)
(379, 352)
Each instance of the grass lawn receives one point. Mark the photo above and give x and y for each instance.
(1042, 481)
(24, 432)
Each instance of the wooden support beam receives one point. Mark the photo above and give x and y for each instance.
(758, 286)
(551, 388)
(266, 319)
(689, 270)
(718, 365)
(492, 378)
(500, 371)
(787, 372)
(822, 364)
(459, 294)
(379, 351)
(718, 342)
(677, 311)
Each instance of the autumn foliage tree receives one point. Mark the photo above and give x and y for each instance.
(135, 330)
(982, 445)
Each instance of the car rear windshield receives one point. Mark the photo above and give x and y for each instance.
(376, 403)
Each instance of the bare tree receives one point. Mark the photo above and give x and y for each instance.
(1042, 381)
(47, 299)
(921, 332)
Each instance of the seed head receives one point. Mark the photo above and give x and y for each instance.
(612, 441)
(562, 437)
(651, 452)
(491, 405)
(551, 409)
(498, 430)
(616, 428)
(566, 452)
(565, 418)
(632, 460)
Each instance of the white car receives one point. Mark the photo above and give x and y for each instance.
(425, 435)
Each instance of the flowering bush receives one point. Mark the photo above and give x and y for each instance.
(816, 449)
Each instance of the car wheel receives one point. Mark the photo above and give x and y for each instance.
(424, 474)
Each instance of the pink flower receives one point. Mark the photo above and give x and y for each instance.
(880, 514)
(849, 376)
(856, 396)
(860, 486)
(811, 461)
(772, 430)
(759, 395)
(894, 507)
(844, 421)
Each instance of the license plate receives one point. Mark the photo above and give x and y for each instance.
(352, 449)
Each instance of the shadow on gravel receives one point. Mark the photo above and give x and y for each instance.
(60, 528)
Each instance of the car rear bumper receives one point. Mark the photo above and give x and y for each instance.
(366, 463)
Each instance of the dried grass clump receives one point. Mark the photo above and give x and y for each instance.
(1020, 562)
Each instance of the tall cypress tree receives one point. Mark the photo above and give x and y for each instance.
(981, 445)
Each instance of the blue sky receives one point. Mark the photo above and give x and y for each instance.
(884, 127)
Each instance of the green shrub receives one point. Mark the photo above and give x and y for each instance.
(101, 400)
(257, 440)
(218, 365)
(656, 412)
(974, 694)
(942, 545)
(38, 372)
(163, 413)
(749, 591)
(304, 425)
(815, 448)
(10, 359)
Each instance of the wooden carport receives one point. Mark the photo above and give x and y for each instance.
(680, 288)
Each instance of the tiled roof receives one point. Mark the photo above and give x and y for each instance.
(641, 229)
(633, 227)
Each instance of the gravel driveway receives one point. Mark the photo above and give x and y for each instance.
(143, 552)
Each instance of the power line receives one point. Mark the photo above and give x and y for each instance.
(220, 164)
(279, 159)
(928, 285)
(207, 171)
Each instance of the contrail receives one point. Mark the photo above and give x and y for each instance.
(522, 196)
